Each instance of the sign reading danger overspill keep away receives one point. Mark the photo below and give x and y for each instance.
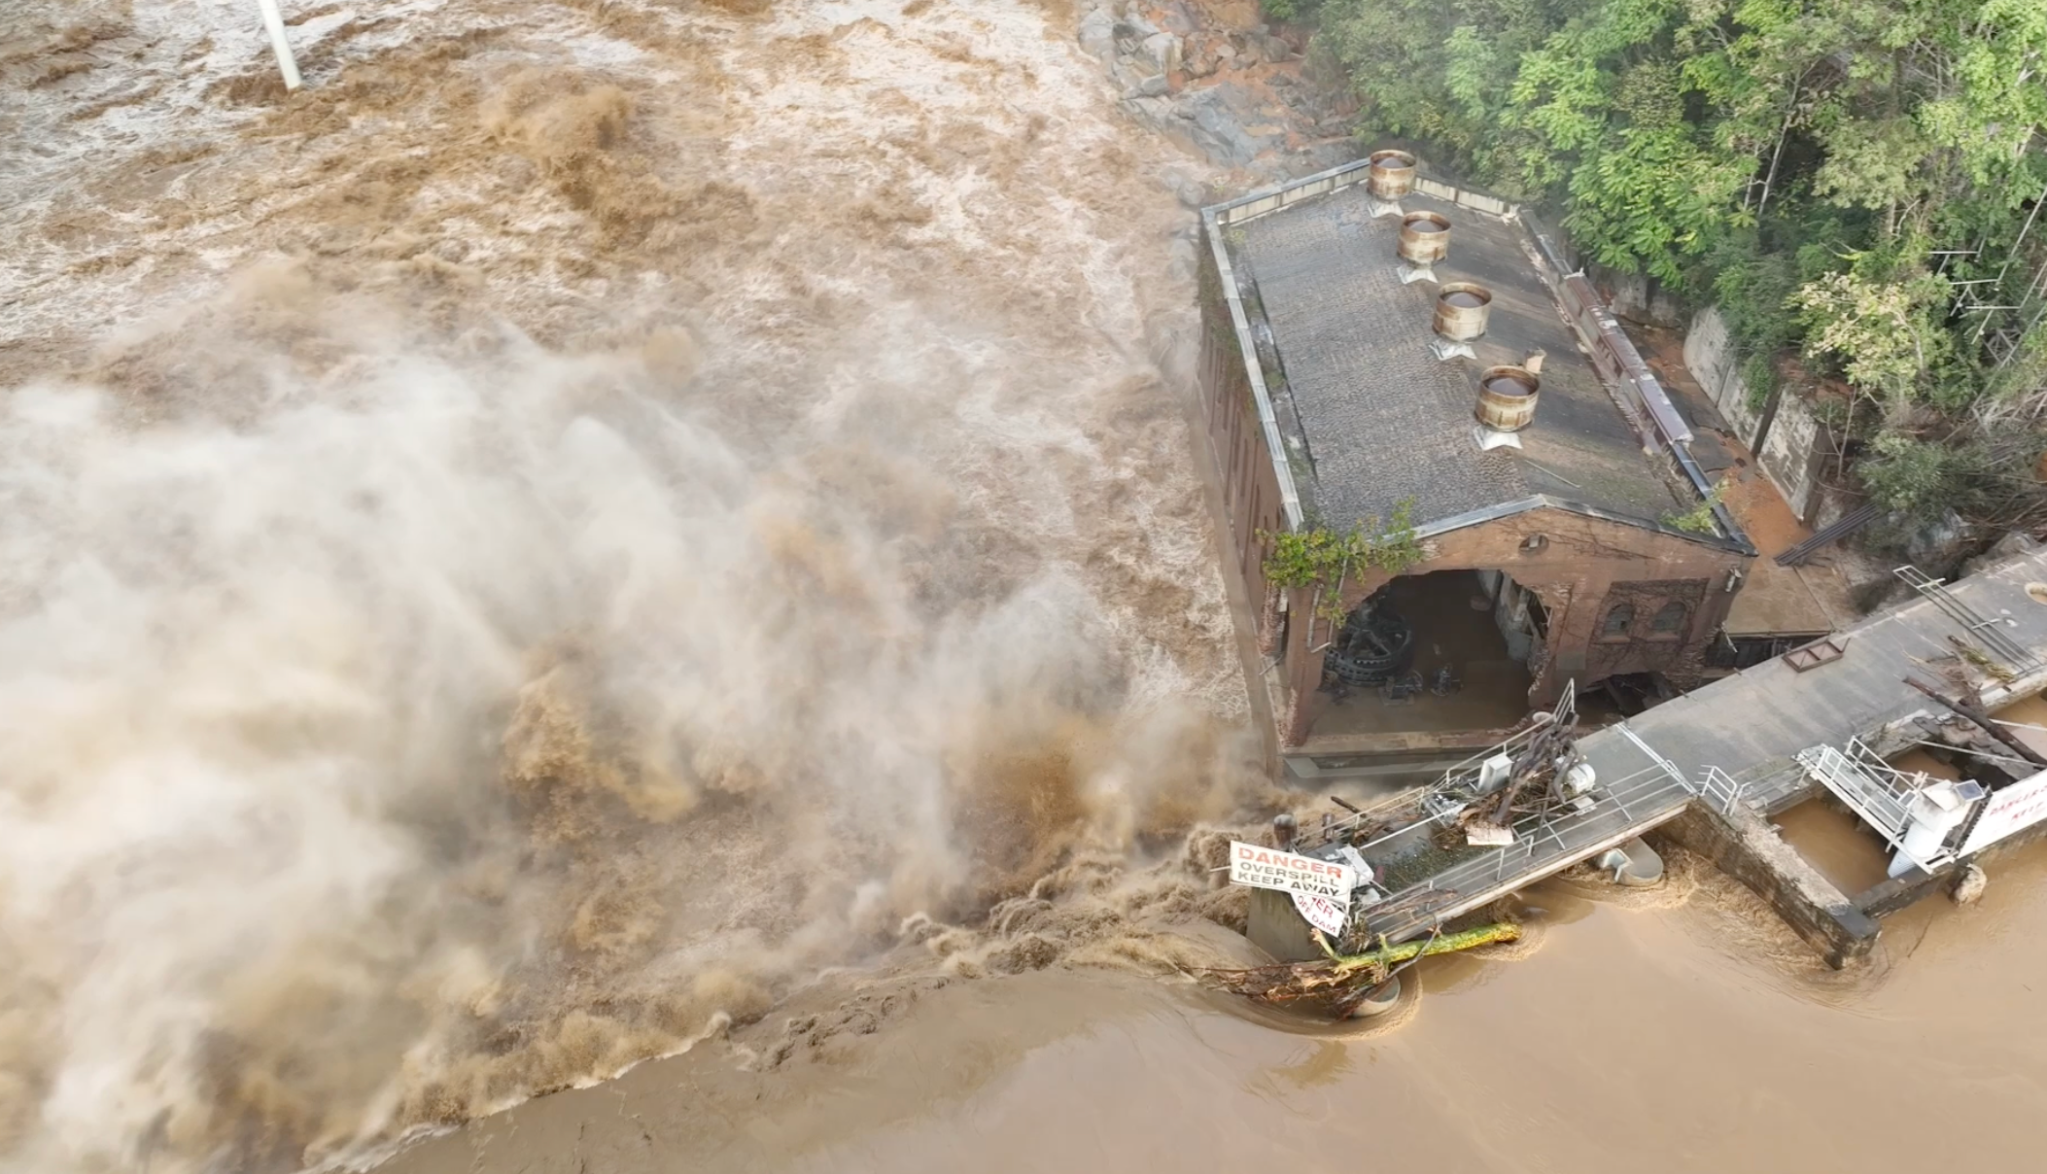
(1270, 868)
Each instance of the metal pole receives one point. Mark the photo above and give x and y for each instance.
(274, 21)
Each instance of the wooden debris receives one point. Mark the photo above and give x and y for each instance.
(1983, 720)
(1981, 660)
(1335, 985)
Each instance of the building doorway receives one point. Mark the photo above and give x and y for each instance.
(1448, 650)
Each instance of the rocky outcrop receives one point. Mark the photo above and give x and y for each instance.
(1214, 74)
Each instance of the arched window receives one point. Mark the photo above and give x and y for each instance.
(1669, 619)
(1619, 619)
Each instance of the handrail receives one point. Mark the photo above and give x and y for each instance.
(1719, 791)
(1540, 840)
(1874, 790)
(1415, 799)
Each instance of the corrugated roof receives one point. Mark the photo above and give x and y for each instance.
(1372, 418)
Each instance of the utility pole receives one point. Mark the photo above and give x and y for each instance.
(274, 21)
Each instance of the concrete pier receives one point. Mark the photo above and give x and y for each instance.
(1710, 767)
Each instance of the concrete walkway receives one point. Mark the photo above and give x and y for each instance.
(1749, 726)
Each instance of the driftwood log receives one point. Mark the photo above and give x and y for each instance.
(1384, 956)
(1338, 983)
(1976, 713)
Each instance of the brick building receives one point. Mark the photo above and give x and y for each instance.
(1580, 547)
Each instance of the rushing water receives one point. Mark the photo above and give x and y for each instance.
(522, 556)
(618, 528)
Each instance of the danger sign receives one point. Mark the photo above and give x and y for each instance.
(1270, 868)
(1324, 914)
(2012, 809)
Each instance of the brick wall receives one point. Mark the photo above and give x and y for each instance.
(1251, 497)
(1579, 565)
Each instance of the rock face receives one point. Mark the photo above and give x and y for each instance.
(1221, 120)
(1969, 885)
(2014, 543)
(1208, 72)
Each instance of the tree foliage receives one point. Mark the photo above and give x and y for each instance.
(1324, 559)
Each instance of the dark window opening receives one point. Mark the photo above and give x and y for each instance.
(1669, 619)
(1620, 618)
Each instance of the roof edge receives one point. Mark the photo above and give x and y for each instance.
(1247, 349)
(1540, 501)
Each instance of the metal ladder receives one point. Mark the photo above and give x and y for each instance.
(1989, 631)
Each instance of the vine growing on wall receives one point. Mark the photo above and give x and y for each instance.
(1323, 559)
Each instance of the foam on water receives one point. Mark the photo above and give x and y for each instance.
(523, 553)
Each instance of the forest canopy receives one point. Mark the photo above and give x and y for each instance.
(1853, 182)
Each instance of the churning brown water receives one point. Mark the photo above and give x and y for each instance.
(529, 552)
(619, 528)
(1674, 1030)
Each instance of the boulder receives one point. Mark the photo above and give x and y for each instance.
(1938, 544)
(1186, 186)
(1969, 885)
(1135, 26)
(1177, 19)
(1098, 34)
(1164, 50)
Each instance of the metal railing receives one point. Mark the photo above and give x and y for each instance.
(1405, 809)
(1549, 841)
(1874, 790)
(1988, 630)
(1720, 792)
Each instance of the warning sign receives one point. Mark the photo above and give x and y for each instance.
(1322, 913)
(2012, 809)
(1270, 868)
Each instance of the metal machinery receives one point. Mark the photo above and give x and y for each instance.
(1374, 646)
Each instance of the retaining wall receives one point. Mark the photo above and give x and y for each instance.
(1788, 440)
(1747, 848)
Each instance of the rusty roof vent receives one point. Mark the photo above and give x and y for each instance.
(1462, 311)
(1389, 176)
(1424, 240)
(1507, 396)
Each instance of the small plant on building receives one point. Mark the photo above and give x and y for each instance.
(1321, 558)
(1699, 519)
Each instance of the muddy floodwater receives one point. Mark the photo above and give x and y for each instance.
(1676, 1030)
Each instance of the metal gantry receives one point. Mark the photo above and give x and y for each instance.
(1873, 789)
